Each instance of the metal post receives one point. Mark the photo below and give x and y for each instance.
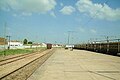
(95, 46)
(118, 46)
(8, 41)
(107, 44)
(100, 46)
(68, 37)
(4, 39)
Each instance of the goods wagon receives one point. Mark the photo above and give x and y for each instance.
(109, 47)
(49, 46)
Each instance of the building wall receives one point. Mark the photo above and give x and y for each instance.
(15, 44)
(3, 41)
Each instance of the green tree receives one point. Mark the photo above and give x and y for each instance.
(25, 41)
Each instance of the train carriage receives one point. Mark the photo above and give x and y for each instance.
(108, 47)
(114, 47)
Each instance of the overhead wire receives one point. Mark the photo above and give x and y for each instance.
(95, 14)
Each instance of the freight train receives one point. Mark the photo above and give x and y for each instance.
(49, 46)
(106, 47)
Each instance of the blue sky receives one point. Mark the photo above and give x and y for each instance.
(50, 20)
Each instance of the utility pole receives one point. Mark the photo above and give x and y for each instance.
(8, 41)
(4, 38)
(107, 39)
(118, 45)
(68, 37)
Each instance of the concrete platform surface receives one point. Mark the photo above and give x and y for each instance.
(78, 65)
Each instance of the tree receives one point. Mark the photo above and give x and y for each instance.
(25, 41)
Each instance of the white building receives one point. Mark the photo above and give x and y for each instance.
(43, 45)
(15, 44)
(69, 46)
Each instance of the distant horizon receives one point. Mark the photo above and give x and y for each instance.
(53, 21)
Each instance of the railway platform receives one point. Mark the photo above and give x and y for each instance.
(78, 65)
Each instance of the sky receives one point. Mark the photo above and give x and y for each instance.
(52, 21)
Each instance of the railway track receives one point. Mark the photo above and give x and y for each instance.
(21, 67)
(13, 59)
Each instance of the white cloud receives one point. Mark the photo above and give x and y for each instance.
(67, 10)
(28, 6)
(93, 31)
(98, 11)
(52, 14)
